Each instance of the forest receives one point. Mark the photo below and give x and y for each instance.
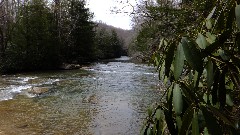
(194, 45)
(42, 35)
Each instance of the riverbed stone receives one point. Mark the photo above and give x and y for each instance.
(66, 66)
(38, 90)
(35, 81)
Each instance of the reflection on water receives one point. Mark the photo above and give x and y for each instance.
(103, 99)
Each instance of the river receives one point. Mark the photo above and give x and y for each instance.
(105, 98)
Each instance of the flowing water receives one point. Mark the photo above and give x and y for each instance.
(106, 98)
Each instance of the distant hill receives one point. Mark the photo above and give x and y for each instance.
(126, 35)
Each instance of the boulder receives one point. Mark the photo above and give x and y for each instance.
(38, 90)
(65, 66)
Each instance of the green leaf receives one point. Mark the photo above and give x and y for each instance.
(205, 132)
(190, 76)
(149, 131)
(237, 12)
(195, 127)
(209, 24)
(212, 12)
(192, 54)
(231, 85)
(177, 99)
(201, 41)
(169, 93)
(210, 37)
(229, 100)
(211, 122)
(179, 62)
(159, 127)
(179, 122)
(205, 97)
(223, 55)
(165, 80)
(195, 78)
(150, 109)
(144, 130)
(200, 85)
(169, 58)
(218, 43)
(168, 112)
(154, 128)
(158, 114)
(161, 71)
(161, 43)
(210, 75)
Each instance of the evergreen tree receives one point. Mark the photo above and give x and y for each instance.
(116, 44)
(80, 47)
(109, 45)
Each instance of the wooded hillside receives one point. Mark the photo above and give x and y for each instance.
(126, 35)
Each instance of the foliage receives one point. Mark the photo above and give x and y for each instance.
(201, 73)
(37, 35)
(109, 45)
(145, 40)
(167, 19)
(79, 43)
(124, 34)
(33, 41)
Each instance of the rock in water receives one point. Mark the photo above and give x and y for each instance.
(65, 66)
(38, 90)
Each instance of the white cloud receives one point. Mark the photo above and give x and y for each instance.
(102, 12)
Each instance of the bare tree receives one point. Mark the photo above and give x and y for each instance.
(3, 25)
(57, 14)
(8, 12)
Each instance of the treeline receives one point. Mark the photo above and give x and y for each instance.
(38, 35)
(126, 35)
(109, 44)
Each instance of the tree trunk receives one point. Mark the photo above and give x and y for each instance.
(1, 45)
(57, 13)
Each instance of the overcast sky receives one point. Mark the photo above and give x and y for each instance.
(102, 12)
